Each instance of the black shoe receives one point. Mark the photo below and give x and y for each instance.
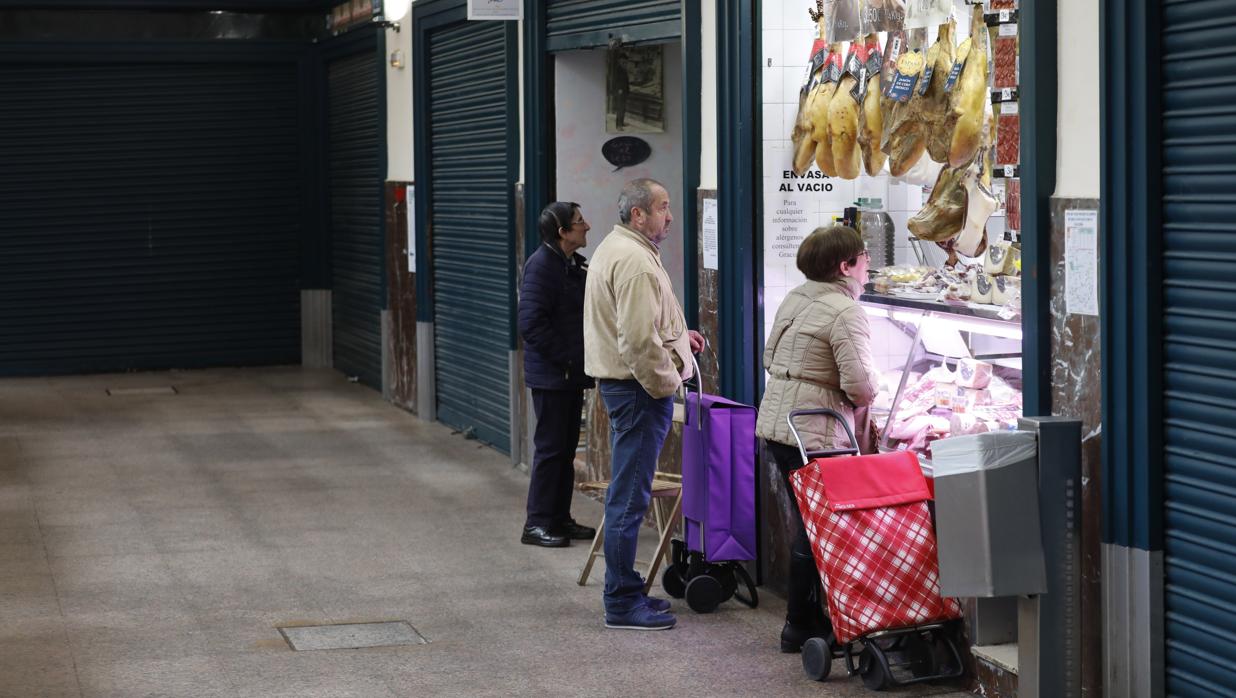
(539, 535)
(793, 637)
(576, 531)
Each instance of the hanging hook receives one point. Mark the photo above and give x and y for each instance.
(818, 12)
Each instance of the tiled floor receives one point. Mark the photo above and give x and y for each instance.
(150, 545)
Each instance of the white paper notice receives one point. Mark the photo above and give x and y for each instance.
(495, 9)
(411, 229)
(788, 219)
(710, 234)
(1081, 262)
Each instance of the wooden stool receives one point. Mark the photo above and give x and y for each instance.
(666, 493)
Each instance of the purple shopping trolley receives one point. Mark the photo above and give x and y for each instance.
(718, 504)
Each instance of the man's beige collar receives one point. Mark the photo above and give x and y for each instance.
(638, 236)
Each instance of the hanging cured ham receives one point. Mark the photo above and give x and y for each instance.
(904, 137)
(972, 95)
(945, 211)
(871, 118)
(817, 109)
(936, 103)
(843, 124)
(802, 135)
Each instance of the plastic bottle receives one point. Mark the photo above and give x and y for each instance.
(878, 231)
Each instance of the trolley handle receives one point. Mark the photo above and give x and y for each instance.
(698, 379)
(807, 456)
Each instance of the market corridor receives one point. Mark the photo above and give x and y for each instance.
(151, 543)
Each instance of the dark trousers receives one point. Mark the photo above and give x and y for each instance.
(553, 463)
(803, 587)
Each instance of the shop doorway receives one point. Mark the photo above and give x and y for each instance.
(466, 158)
(572, 112)
(585, 121)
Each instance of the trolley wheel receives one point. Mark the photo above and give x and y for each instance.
(672, 581)
(817, 658)
(875, 676)
(704, 593)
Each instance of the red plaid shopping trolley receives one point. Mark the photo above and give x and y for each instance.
(875, 546)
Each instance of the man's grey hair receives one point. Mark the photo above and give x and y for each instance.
(636, 193)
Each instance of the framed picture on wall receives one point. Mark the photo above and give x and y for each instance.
(635, 90)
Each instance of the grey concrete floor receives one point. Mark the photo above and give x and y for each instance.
(150, 545)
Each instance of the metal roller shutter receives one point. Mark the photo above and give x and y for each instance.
(576, 24)
(1199, 210)
(472, 223)
(148, 213)
(354, 153)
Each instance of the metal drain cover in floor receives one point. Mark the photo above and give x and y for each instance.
(155, 390)
(351, 636)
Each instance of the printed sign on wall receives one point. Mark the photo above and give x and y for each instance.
(495, 9)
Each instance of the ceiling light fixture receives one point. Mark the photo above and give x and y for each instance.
(392, 12)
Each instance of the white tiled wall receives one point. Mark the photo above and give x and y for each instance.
(787, 39)
(788, 35)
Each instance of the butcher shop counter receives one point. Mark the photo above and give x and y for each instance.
(970, 310)
(961, 372)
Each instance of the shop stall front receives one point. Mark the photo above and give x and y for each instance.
(904, 121)
(904, 126)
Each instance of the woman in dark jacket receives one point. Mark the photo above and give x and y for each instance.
(551, 323)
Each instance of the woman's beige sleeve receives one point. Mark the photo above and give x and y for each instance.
(851, 341)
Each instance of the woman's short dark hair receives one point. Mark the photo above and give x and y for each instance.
(554, 217)
(821, 254)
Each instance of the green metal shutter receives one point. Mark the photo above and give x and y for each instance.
(576, 24)
(471, 219)
(354, 145)
(149, 212)
(1199, 242)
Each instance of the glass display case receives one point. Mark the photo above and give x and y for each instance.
(946, 369)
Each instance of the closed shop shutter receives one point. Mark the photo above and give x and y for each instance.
(576, 24)
(149, 212)
(1199, 242)
(355, 147)
(472, 222)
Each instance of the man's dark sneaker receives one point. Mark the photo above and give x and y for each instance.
(576, 531)
(640, 618)
(539, 535)
(658, 605)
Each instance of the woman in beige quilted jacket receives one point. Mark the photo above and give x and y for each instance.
(818, 355)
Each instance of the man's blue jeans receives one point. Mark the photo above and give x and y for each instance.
(638, 424)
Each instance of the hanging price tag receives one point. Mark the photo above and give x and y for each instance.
(1010, 170)
(953, 75)
(1005, 15)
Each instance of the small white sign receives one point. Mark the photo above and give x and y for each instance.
(495, 9)
(411, 229)
(1081, 262)
(710, 234)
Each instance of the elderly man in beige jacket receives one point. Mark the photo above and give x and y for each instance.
(636, 343)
